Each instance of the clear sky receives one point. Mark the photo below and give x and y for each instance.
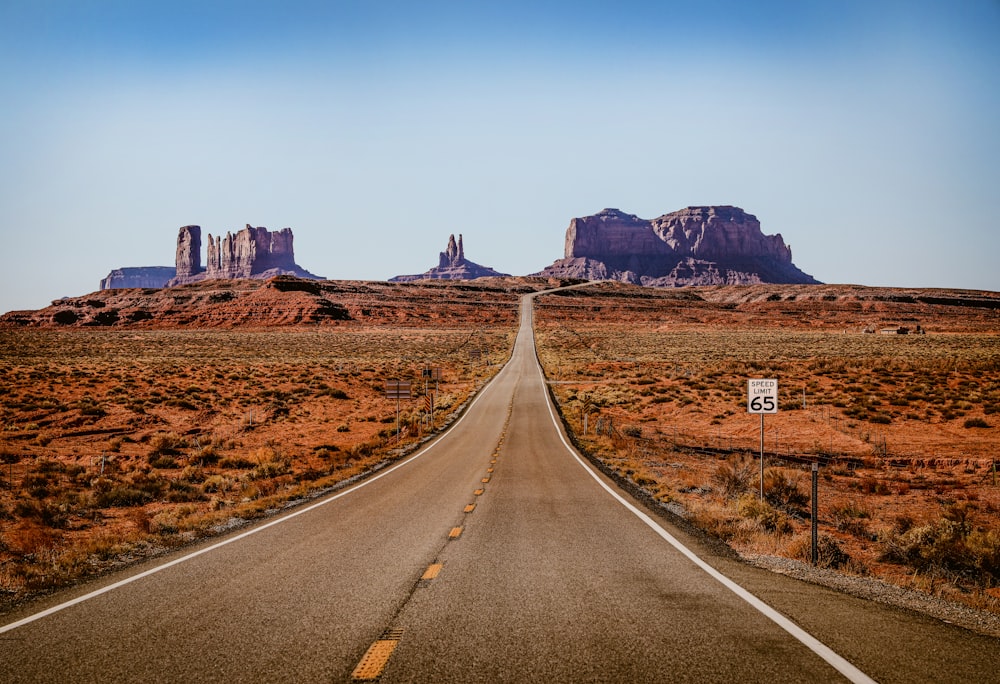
(866, 132)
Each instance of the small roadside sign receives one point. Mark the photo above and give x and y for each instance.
(762, 395)
(762, 398)
(397, 389)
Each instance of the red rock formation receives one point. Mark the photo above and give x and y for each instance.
(718, 233)
(453, 255)
(452, 265)
(250, 253)
(188, 259)
(283, 301)
(612, 233)
(695, 246)
(138, 276)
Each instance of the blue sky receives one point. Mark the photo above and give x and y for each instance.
(864, 132)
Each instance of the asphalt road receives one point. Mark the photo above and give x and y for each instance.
(495, 554)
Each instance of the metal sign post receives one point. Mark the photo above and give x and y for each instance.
(762, 398)
(762, 457)
(815, 513)
(397, 389)
(430, 399)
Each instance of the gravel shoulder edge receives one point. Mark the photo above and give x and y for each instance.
(879, 591)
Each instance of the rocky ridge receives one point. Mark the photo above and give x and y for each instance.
(452, 265)
(250, 253)
(282, 301)
(290, 301)
(715, 245)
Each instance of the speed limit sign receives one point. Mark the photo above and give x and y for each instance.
(762, 396)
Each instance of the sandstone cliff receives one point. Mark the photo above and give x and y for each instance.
(719, 245)
(452, 265)
(188, 255)
(138, 276)
(250, 253)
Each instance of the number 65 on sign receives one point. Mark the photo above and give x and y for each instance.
(762, 396)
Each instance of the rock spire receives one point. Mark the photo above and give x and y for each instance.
(254, 252)
(452, 265)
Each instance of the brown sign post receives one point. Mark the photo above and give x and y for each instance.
(429, 399)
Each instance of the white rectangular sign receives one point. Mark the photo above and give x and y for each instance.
(762, 396)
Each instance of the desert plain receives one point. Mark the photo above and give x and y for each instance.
(136, 421)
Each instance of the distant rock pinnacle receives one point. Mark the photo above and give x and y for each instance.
(452, 265)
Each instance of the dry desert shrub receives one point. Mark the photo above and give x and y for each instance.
(852, 518)
(948, 546)
(830, 553)
(166, 443)
(216, 484)
(976, 423)
(764, 514)
(105, 545)
(735, 476)
(783, 491)
(714, 520)
(29, 537)
(46, 513)
(194, 474)
(267, 470)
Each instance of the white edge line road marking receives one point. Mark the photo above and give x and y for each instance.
(255, 530)
(812, 643)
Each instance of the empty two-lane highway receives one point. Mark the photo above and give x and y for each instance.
(493, 555)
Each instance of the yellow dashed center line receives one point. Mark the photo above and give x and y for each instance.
(374, 660)
(432, 571)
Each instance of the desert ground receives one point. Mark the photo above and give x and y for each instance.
(903, 427)
(228, 402)
(135, 421)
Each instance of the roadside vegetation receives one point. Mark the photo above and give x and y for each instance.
(905, 430)
(118, 444)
